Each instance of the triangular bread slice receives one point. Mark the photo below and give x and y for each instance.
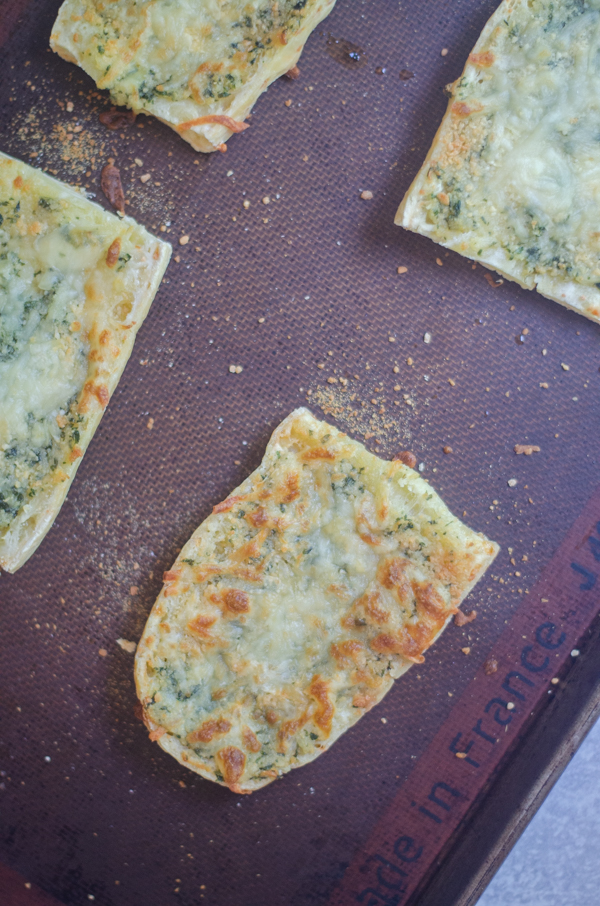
(294, 606)
(511, 180)
(197, 65)
(75, 285)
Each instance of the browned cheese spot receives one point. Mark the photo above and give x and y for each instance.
(100, 391)
(232, 762)
(392, 575)
(208, 730)
(258, 517)
(463, 110)
(323, 716)
(429, 602)
(348, 652)
(235, 600)
(408, 644)
(251, 740)
(292, 488)
(156, 734)
(114, 250)
(290, 728)
(201, 624)
(363, 700)
(371, 602)
(218, 694)
(227, 505)
(318, 453)
(482, 60)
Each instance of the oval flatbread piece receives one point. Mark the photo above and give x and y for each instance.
(294, 606)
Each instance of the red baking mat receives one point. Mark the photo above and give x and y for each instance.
(110, 815)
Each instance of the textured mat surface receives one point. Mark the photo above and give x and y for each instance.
(301, 292)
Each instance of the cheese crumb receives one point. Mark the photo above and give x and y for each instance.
(402, 270)
(145, 178)
(512, 482)
(183, 240)
(366, 195)
(127, 646)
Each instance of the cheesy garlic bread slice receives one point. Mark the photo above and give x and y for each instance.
(75, 284)
(294, 606)
(197, 65)
(512, 177)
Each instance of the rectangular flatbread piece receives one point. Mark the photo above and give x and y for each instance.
(75, 285)
(197, 65)
(511, 179)
(294, 606)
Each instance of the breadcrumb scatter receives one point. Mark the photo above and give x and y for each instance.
(526, 449)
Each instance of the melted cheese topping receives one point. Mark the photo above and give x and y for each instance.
(292, 608)
(189, 60)
(513, 178)
(68, 312)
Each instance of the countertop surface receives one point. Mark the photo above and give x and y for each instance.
(557, 859)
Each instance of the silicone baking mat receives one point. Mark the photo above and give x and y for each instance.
(291, 276)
